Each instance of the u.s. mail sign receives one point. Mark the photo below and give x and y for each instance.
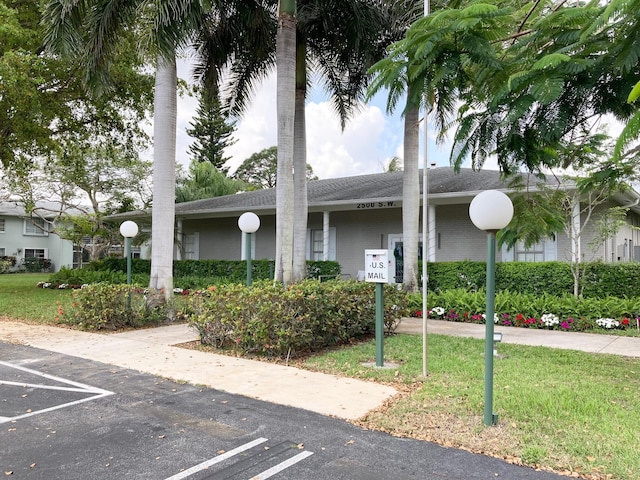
(376, 266)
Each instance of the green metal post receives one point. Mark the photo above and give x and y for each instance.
(489, 417)
(248, 235)
(379, 324)
(127, 252)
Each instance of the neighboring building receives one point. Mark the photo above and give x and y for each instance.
(25, 237)
(351, 214)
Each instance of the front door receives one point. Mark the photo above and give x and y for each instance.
(396, 256)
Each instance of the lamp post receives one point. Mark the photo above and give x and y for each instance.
(249, 223)
(128, 230)
(490, 211)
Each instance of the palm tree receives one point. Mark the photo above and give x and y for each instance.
(341, 51)
(399, 15)
(338, 41)
(92, 29)
(286, 78)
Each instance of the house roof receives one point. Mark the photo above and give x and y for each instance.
(44, 209)
(446, 186)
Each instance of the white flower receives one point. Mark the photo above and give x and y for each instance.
(62, 286)
(607, 323)
(177, 290)
(439, 311)
(495, 317)
(549, 320)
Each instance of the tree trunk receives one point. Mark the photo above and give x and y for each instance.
(286, 75)
(300, 169)
(164, 176)
(410, 200)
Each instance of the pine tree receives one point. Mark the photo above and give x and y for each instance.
(211, 131)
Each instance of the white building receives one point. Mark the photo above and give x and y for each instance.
(351, 214)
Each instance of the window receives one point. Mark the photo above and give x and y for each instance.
(2, 254)
(317, 244)
(36, 226)
(35, 253)
(535, 253)
(1, 225)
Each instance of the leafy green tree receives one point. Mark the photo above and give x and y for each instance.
(528, 78)
(211, 131)
(259, 170)
(88, 183)
(204, 181)
(44, 106)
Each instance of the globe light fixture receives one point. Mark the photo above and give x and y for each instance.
(248, 223)
(128, 229)
(490, 211)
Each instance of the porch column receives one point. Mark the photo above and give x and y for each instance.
(179, 238)
(431, 250)
(325, 236)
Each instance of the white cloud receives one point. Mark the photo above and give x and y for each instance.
(366, 144)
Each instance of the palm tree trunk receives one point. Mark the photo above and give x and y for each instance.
(164, 176)
(300, 214)
(410, 199)
(286, 75)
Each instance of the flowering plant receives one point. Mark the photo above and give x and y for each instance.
(607, 323)
(549, 320)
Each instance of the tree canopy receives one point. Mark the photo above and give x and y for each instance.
(45, 108)
(528, 80)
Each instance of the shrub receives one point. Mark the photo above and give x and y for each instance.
(34, 264)
(75, 278)
(598, 279)
(272, 319)
(232, 271)
(527, 310)
(105, 307)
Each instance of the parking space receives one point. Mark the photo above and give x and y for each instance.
(27, 392)
(70, 418)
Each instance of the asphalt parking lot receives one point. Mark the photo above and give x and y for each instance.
(67, 418)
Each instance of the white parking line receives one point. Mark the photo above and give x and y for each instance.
(76, 387)
(218, 459)
(281, 466)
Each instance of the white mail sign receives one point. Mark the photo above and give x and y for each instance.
(376, 266)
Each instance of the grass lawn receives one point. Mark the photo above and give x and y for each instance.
(569, 411)
(21, 299)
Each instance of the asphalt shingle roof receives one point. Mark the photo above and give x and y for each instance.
(442, 180)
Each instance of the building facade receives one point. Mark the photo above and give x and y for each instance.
(24, 237)
(349, 215)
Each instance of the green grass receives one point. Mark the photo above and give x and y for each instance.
(561, 409)
(21, 299)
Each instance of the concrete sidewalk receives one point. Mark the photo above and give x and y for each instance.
(586, 342)
(153, 351)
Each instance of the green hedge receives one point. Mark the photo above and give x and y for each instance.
(234, 271)
(272, 319)
(555, 278)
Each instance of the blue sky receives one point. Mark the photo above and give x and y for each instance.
(369, 141)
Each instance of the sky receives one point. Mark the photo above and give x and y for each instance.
(370, 140)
